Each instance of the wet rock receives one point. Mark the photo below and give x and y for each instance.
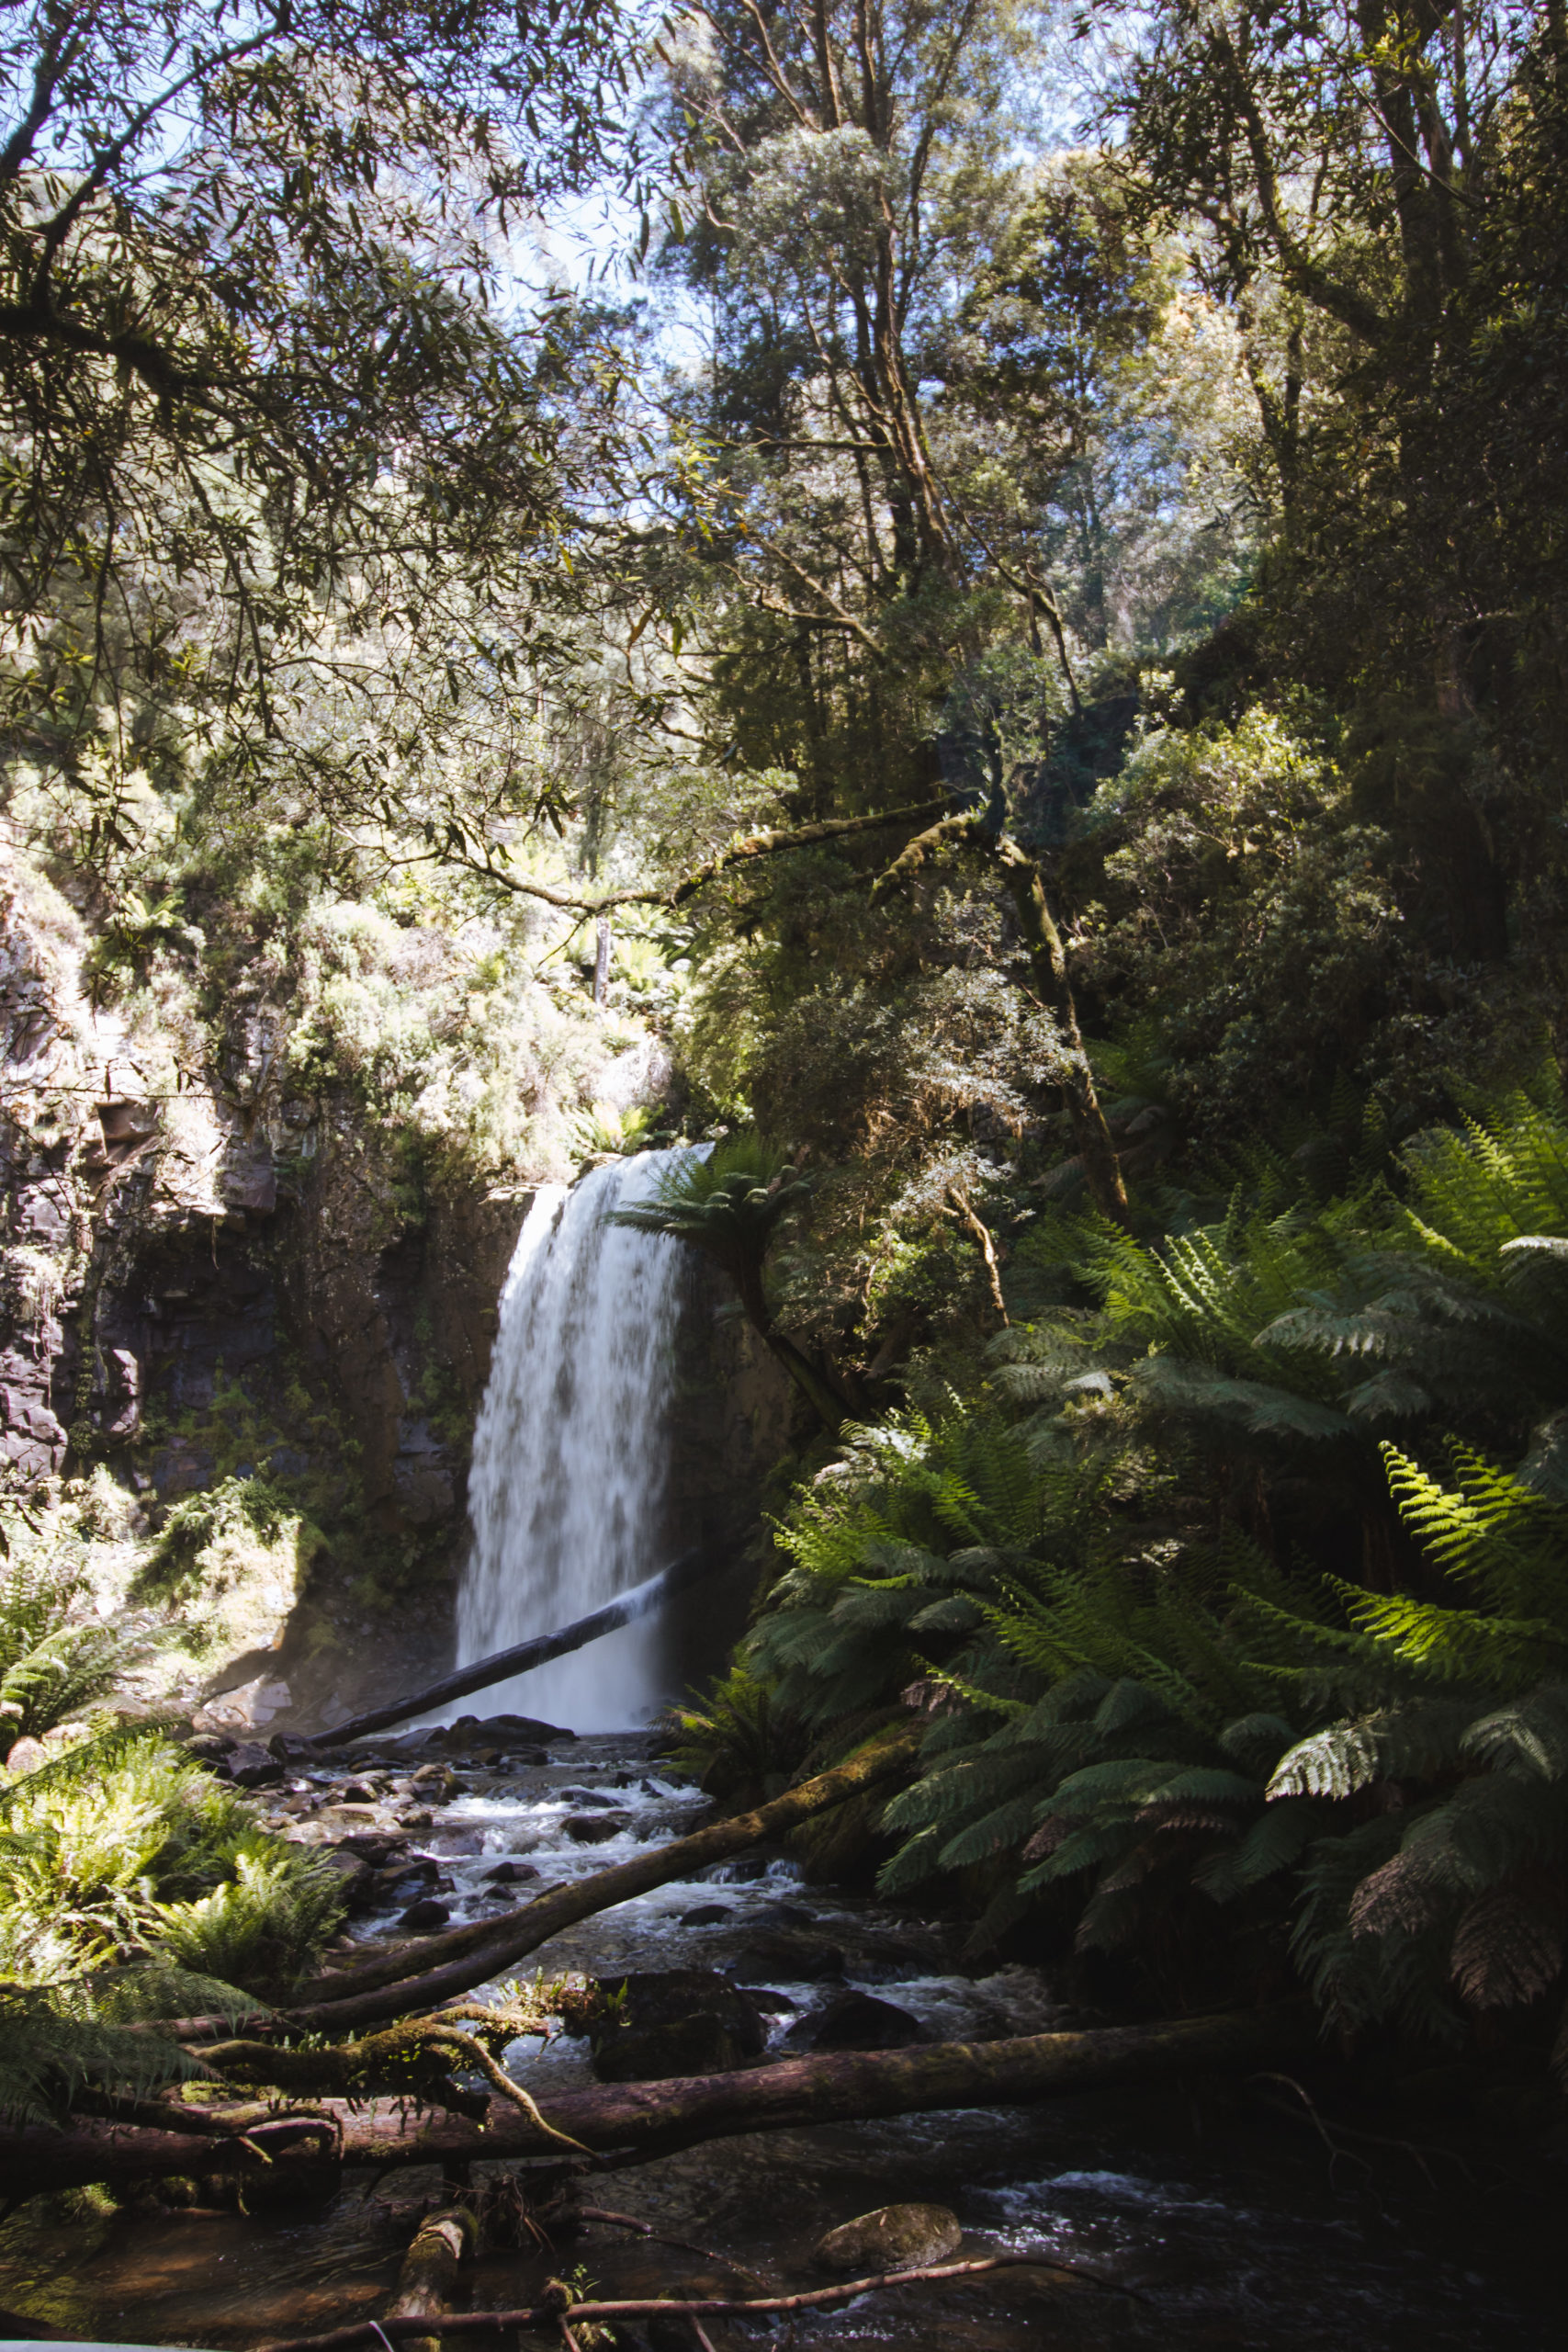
(859, 2021)
(800, 1959)
(510, 1874)
(425, 1914)
(356, 1876)
(594, 1798)
(376, 1846)
(522, 1760)
(895, 2237)
(250, 1767)
(497, 1731)
(656, 2054)
(417, 1819)
(438, 1782)
(772, 2004)
(782, 1915)
(401, 1880)
(289, 1749)
(352, 1792)
(594, 1828)
(707, 1915)
(459, 1841)
(652, 2000)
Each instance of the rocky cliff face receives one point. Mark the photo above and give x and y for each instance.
(224, 1294)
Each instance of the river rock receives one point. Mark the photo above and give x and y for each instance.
(510, 1874)
(400, 1882)
(895, 2237)
(499, 1731)
(800, 1959)
(707, 1915)
(594, 1828)
(375, 1845)
(655, 2053)
(859, 2021)
(458, 1840)
(425, 1914)
(291, 1748)
(673, 2021)
(594, 1798)
(354, 1875)
(250, 1767)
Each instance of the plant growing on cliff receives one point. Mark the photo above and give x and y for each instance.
(205, 1534)
(56, 1655)
(729, 1203)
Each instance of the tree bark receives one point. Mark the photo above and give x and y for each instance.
(441, 1967)
(632, 2122)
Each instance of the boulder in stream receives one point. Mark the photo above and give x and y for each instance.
(674, 2021)
(425, 1914)
(594, 1828)
(789, 1953)
(858, 2021)
(895, 2237)
(656, 2053)
(509, 1874)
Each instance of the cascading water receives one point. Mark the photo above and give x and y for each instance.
(568, 1485)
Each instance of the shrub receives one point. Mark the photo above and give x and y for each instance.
(55, 1659)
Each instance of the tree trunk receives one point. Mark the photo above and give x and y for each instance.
(632, 2122)
(1026, 886)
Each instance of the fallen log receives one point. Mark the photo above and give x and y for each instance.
(501, 1665)
(630, 2122)
(428, 2281)
(440, 1968)
(555, 2309)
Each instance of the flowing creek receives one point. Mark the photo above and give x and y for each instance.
(1230, 2224)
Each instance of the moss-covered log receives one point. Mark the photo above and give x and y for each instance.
(632, 2121)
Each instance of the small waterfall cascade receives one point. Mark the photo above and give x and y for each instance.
(567, 1492)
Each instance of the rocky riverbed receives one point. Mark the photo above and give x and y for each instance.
(1222, 2208)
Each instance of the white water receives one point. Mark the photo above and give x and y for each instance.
(567, 1490)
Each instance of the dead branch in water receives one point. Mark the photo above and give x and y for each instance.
(553, 2311)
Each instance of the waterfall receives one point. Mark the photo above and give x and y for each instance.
(568, 1487)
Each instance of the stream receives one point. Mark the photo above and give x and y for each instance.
(1235, 2226)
